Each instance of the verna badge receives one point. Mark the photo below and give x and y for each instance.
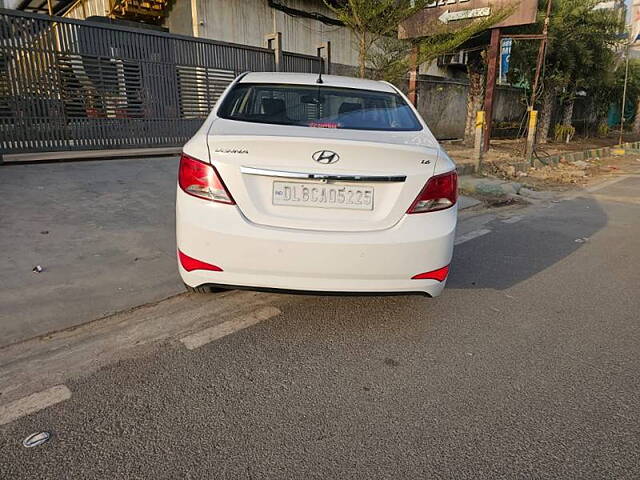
(326, 157)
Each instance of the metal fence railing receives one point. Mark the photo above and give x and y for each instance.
(70, 84)
(294, 62)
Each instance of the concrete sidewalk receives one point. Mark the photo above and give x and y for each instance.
(103, 232)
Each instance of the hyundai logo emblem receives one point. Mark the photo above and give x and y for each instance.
(326, 157)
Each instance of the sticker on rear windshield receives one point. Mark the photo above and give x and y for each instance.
(324, 124)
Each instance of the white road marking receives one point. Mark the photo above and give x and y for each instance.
(207, 335)
(513, 219)
(33, 403)
(471, 235)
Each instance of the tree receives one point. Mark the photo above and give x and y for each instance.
(372, 20)
(476, 70)
(609, 91)
(389, 60)
(579, 55)
(595, 57)
(375, 26)
(470, 37)
(633, 91)
(466, 36)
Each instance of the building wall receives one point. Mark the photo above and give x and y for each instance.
(248, 21)
(443, 105)
(436, 71)
(180, 19)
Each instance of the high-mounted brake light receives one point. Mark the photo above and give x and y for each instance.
(439, 275)
(190, 264)
(440, 192)
(202, 180)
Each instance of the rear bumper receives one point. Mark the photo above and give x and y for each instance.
(329, 293)
(254, 256)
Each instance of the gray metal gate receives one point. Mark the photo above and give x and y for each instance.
(77, 85)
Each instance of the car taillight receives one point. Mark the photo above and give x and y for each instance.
(440, 192)
(439, 275)
(190, 264)
(202, 180)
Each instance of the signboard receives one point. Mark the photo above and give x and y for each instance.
(505, 57)
(441, 16)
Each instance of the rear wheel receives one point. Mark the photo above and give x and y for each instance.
(204, 289)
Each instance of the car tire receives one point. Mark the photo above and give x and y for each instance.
(204, 289)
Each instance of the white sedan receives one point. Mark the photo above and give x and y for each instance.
(300, 183)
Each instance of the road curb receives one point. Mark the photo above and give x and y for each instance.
(488, 187)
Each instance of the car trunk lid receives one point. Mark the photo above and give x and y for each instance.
(267, 176)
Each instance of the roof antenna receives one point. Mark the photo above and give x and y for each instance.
(319, 80)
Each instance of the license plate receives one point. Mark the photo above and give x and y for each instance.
(322, 195)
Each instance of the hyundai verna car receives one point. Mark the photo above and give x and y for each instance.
(298, 183)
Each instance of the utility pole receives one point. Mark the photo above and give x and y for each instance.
(413, 76)
(624, 95)
(492, 72)
(541, 55)
(533, 114)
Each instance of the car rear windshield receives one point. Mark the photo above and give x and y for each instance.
(318, 106)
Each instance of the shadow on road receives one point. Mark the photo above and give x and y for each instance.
(512, 253)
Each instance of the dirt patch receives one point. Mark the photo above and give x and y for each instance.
(512, 150)
(564, 175)
(492, 202)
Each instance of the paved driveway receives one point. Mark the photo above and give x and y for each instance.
(103, 231)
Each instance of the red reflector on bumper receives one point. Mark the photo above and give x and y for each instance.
(190, 264)
(439, 275)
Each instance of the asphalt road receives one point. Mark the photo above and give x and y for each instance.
(527, 367)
